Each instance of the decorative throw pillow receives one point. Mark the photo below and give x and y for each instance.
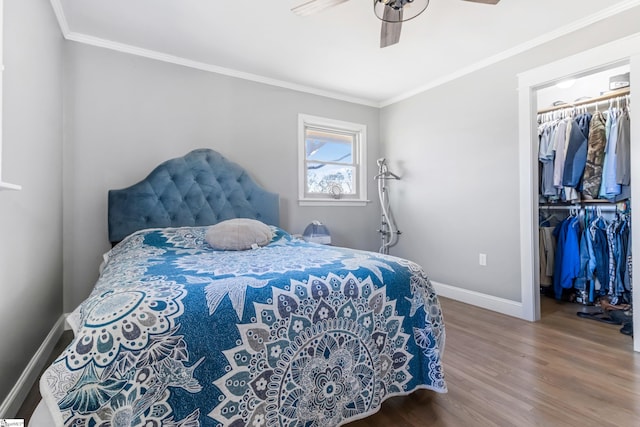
(238, 234)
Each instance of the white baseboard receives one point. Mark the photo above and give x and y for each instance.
(67, 325)
(500, 305)
(20, 390)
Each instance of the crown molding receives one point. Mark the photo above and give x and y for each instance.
(523, 47)
(60, 16)
(159, 56)
(152, 54)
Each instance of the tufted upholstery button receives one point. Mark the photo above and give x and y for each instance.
(184, 191)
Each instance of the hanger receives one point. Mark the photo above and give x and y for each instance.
(544, 220)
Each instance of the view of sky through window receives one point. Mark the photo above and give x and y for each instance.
(329, 160)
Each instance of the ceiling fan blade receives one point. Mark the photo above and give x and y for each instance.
(310, 7)
(390, 33)
(391, 27)
(484, 1)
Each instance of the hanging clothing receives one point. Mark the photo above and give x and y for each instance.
(592, 257)
(567, 257)
(623, 160)
(600, 251)
(620, 237)
(576, 158)
(547, 255)
(560, 150)
(595, 157)
(583, 276)
(611, 244)
(628, 272)
(610, 188)
(545, 156)
(583, 158)
(623, 150)
(623, 245)
(589, 274)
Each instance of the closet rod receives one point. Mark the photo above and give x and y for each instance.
(594, 100)
(567, 207)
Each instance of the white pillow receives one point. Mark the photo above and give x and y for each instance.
(238, 234)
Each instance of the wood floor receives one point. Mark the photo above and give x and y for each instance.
(501, 371)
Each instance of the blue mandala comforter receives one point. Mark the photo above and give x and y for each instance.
(290, 334)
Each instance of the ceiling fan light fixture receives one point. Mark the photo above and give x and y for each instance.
(388, 10)
(392, 13)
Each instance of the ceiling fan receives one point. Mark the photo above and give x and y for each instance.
(392, 13)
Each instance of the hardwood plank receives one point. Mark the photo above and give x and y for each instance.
(563, 371)
(501, 371)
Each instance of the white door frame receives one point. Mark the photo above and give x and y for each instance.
(625, 50)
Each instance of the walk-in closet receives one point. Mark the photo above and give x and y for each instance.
(584, 197)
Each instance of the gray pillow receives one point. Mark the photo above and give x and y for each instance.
(238, 234)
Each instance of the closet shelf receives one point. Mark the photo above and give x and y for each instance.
(594, 100)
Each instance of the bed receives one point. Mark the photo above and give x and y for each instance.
(291, 333)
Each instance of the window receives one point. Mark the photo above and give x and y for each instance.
(331, 162)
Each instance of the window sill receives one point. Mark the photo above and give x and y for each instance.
(333, 202)
(8, 186)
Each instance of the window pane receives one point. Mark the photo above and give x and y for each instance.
(321, 178)
(328, 147)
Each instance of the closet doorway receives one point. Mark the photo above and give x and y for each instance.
(535, 93)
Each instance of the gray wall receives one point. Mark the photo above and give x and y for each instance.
(457, 148)
(125, 114)
(31, 219)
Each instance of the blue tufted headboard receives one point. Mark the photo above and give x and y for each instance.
(201, 188)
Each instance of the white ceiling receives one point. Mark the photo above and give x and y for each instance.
(335, 52)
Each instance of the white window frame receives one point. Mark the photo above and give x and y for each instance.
(359, 154)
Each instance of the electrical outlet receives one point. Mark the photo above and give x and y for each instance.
(482, 260)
